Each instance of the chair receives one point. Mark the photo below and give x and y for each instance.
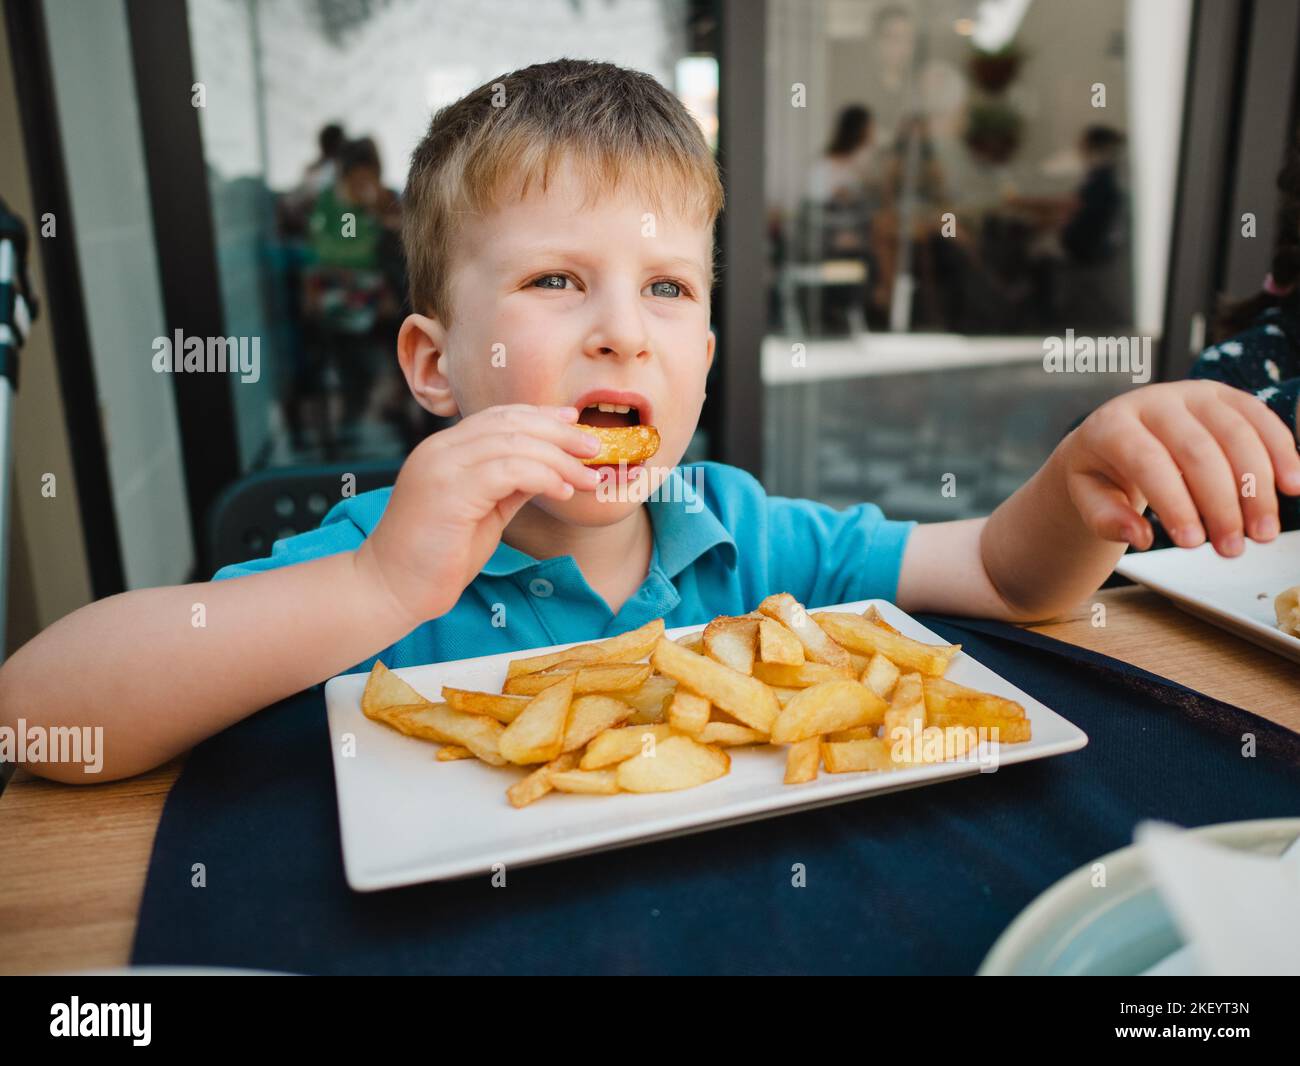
(254, 512)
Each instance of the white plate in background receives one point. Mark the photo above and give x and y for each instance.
(1233, 594)
(405, 818)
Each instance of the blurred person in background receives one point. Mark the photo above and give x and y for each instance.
(1259, 351)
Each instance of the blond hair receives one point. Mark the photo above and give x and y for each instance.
(612, 123)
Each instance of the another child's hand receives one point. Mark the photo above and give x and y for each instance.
(457, 491)
(1208, 458)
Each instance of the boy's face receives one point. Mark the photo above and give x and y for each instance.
(560, 303)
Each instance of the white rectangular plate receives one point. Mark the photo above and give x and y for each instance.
(406, 818)
(1233, 594)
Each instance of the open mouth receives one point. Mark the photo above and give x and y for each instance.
(609, 415)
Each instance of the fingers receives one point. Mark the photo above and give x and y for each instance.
(1275, 434)
(495, 447)
(554, 424)
(1252, 465)
(1108, 512)
(503, 479)
(1208, 476)
(1143, 461)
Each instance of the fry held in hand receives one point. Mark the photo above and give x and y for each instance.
(622, 444)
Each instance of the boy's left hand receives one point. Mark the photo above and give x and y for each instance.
(1208, 458)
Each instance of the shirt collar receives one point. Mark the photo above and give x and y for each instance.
(684, 529)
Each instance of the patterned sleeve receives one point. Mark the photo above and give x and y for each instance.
(1261, 361)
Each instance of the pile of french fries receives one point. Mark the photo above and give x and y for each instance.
(642, 713)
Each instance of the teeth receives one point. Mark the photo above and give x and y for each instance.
(613, 408)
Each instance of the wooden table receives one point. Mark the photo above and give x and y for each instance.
(75, 856)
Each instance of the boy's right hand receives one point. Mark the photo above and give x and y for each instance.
(457, 491)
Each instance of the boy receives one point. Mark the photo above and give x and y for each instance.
(559, 234)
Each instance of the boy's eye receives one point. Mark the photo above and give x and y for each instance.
(551, 281)
(665, 288)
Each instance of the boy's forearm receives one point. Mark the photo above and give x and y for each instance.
(1037, 551)
(161, 669)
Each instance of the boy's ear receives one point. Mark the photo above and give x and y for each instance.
(712, 344)
(422, 354)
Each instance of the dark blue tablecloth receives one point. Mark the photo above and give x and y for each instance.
(921, 881)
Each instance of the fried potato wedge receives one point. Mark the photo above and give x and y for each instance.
(626, 647)
(692, 642)
(777, 644)
(385, 689)
(948, 697)
(533, 787)
(688, 713)
(537, 735)
(478, 732)
(732, 641)
(880, 676)
(817, 644)
(408, 721)
(596, 677)
(933, 744)
(649, 700)
(826, 708)
(907, 708)
(591, 715)
(872, 614)
(783, 675)
(857, 634)
(615, 745)
(998, 729)
(675, 763)
(802, 761)
(730, 735)
(745, 698)
(453, 753)
(504, 709)
(622, 444)
(851, 756)
(585, 782)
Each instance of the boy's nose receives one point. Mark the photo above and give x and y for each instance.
(619, 329)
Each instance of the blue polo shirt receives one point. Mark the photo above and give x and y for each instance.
(721, 544)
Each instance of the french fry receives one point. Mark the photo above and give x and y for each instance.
(649, 701)
(533, 787)
(851, 756)
(452, 753)
(591, 715)
(585, 782)
(478, 732)
(933, 744)
(410, 721)
(907, 708)
(537, 735)
(745, 698)
(692, 642)
(857, 634)
(596, 677)
(783, 695)
(782, 675)
(825, 708)
(948, 697)
(880, 676)
(385, 689)
(732, 642)
(626, 647)
(730, 735)
(872, 615)
(858, 732)
(1001, 730)
(777, 644)
(504, 709)
(615, 745)
(688, 713)
(802, 761)
(817, 644)
(622, 444)
(677, 762)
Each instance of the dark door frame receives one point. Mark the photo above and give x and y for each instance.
(63, 300)
(185, 236)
